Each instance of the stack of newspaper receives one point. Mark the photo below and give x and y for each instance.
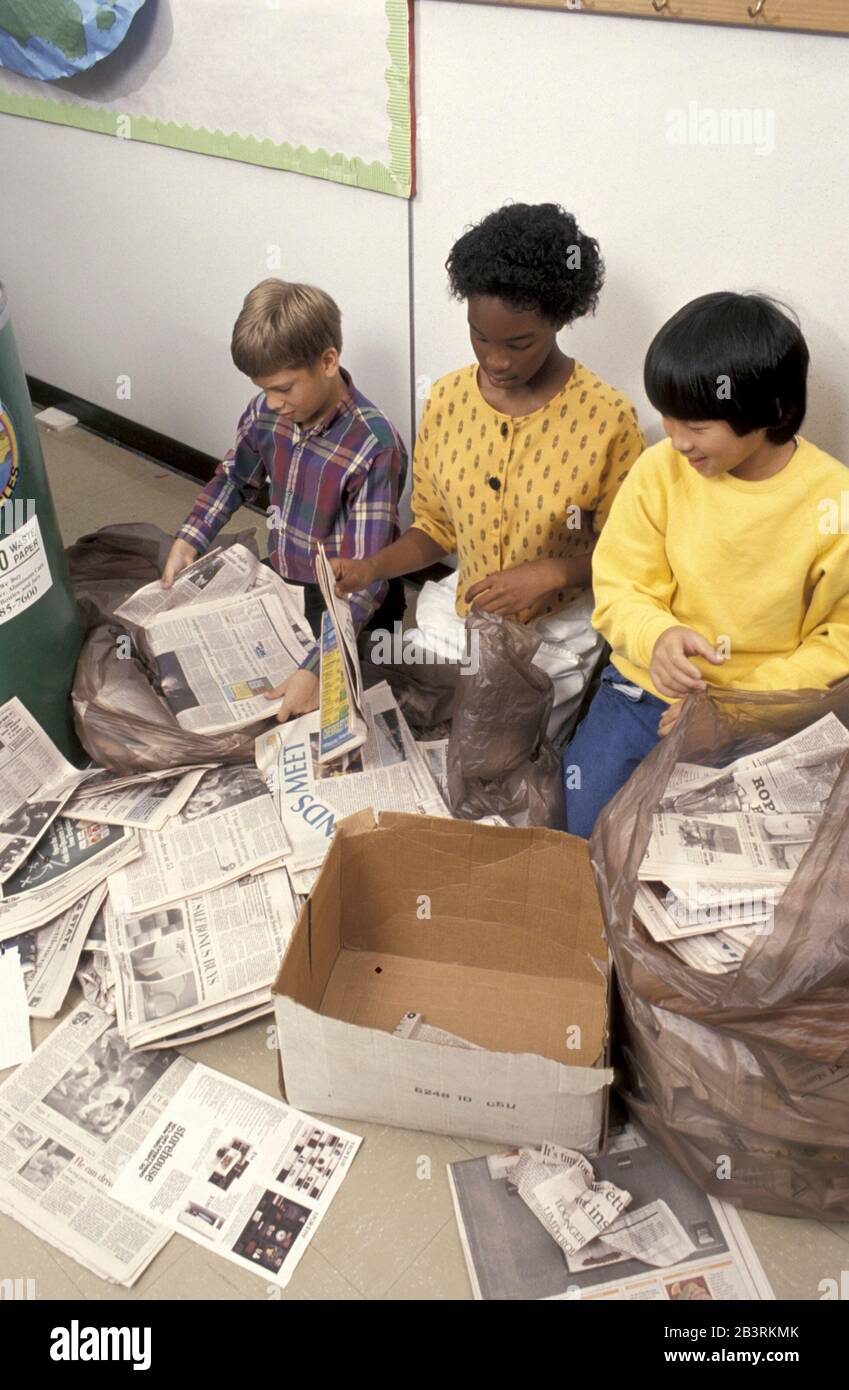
(165, 889)
(227, 631)
(726, 842)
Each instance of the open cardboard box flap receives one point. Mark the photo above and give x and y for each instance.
(492, 933)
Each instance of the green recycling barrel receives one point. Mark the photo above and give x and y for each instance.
(40, 629)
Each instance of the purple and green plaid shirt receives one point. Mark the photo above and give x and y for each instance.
(338, 482)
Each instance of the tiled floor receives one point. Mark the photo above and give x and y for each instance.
(390, 1234)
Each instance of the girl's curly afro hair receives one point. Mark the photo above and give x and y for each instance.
(533, 256)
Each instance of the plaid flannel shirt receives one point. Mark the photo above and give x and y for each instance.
(338, 482)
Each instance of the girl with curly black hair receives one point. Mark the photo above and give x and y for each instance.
(519, 455)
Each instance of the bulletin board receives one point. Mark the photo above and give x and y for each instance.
(319, 87)
(819, 16)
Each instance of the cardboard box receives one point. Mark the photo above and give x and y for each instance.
(493, 934)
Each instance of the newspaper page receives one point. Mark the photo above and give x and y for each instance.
(796, 774)
(652, 907)
(71, 860)
(15, 1040)
(717, 954)
(341, 698)
(51, 954)
(197, 960)
(70, 1118)
(35, 783)
(228, 828)
(220, 573)
(147, 806)
(387, 773)
(213, 661)
(510, 1255)
(435, 754)
(727, 846)
(239, 1173)
(100, 780)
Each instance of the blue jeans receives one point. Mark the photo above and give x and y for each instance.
(614, 737)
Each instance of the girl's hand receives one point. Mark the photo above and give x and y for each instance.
(673, 675)
(510, 591)
(353, 575)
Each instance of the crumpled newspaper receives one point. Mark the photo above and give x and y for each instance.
(559, 1187)
(96, 980)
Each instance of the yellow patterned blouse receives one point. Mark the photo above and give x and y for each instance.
(503, 489)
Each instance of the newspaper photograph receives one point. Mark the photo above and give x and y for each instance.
(794, 775)
(727, 846)
(223, 572)
(387, 773)
(70, 1118)
(148, 806)
(211, 662)
(100, 780)
(239, 1173)
(228, 828)
(343, 724)
(71, 860)
(206, 958)
(35, 783)
(435, 754)
(50, 955)
(672, 1243)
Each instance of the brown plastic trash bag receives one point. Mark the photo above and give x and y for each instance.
(120, 720)
(499, 761)
(424, 690)
(742, 1078)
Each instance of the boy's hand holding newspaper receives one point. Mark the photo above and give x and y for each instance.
(180, 556)
(299, 694)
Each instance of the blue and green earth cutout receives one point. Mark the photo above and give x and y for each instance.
(49, 39)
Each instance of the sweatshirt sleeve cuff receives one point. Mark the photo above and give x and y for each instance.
(647, 634)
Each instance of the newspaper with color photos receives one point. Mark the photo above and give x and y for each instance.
(343, 725)
(238, 1172)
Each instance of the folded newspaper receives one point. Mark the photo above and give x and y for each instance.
(229, 630)
(50, 955)
(228, 828)
(386, 773)
(726, 842)
(669, 1242)
(35, 783)
(69, 861)
(207, 960)
(343, 724)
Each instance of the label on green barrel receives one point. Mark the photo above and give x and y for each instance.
(24, 570)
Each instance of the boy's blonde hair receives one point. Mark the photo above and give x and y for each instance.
(284, 325)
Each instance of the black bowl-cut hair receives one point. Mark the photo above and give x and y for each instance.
(741, 358)
(532, 256)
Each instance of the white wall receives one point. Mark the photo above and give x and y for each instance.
(544, 106)
(122, 258)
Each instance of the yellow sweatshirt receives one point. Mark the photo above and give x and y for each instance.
(762, 565)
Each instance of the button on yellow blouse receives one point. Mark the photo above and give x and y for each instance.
(501, 489)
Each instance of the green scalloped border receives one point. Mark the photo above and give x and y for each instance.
(395, 178)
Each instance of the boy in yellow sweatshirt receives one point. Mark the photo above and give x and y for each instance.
(723, 560)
